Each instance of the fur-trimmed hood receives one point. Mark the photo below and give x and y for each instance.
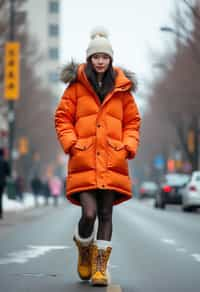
(69, 74)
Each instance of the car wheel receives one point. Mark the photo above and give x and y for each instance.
(193, 209)
(187, 209)
(162, 205)
(155, 204)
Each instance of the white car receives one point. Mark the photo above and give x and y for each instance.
(148, 189)
(191, 193)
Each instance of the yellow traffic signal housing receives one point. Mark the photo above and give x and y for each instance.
(12, 71)
(23, 146)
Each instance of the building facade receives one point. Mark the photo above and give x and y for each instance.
(43, 18)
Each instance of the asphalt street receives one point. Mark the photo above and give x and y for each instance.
(153, 250)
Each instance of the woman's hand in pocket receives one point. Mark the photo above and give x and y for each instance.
(71, 149)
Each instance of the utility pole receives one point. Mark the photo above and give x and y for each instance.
(11, 105)
(11, 88)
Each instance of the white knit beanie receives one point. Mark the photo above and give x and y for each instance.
(99, 43)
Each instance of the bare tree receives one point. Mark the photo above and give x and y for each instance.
(175, 97)
(34, 112)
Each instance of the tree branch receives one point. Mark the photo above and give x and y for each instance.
(192, 8)
(180, 133)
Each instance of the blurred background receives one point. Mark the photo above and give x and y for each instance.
(158, 40)
(156, 247)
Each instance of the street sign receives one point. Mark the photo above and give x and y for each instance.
(171, 165)
(12, 70)
(187, 167)
(159, 161)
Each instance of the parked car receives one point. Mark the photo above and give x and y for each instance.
(191, 193)
(148, 189)
(169, 189)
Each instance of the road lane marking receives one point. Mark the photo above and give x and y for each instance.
(181, 249)
(168, 241)
(196, 256)
(33, 251)
(114, 288)
(37, 275)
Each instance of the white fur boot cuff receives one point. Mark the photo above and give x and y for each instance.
(83, 240)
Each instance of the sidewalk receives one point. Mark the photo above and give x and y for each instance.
(15, 212)
(14, 205)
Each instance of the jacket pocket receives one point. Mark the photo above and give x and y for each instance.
(117, 154)
(81, 145)
(82, 155)
(84, 143)
(115, 144)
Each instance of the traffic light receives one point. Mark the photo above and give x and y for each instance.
(23, 146)
(12, 70)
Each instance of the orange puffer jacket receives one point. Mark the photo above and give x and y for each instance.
(99, 137)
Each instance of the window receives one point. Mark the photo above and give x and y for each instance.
(53, 77)
(53, 7)
(53, 30)
(53, 53)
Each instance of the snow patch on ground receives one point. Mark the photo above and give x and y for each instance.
(14, 205)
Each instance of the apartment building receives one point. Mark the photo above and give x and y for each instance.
(43, 19)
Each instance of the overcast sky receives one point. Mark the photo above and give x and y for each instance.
(133, 26)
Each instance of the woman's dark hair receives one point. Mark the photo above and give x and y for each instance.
(108, 81)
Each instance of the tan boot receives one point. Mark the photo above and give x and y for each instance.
(99, 266)
(84, 259)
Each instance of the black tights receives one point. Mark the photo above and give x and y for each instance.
(98, 203)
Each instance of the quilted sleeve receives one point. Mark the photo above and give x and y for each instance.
(131, 125)
(65, 119)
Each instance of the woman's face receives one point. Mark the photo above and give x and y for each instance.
(100, 62)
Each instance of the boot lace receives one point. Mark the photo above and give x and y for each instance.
(101, 261)
(85, 254)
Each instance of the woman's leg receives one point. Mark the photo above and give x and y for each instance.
(84, 234)
(105, 208)
(89, 211)
(102, 246)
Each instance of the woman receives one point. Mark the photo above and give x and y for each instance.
(97, 123)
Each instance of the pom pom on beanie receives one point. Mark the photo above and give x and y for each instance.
(99, 32)
(99, 43)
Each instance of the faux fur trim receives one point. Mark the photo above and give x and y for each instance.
(69, 74)
(84, 241)
(102, 244)
(132, 77)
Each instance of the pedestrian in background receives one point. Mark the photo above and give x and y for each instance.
(46, 190)
(20, 186)
(97, 123)
(55, 186)
(36, 186)
(4, 173)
